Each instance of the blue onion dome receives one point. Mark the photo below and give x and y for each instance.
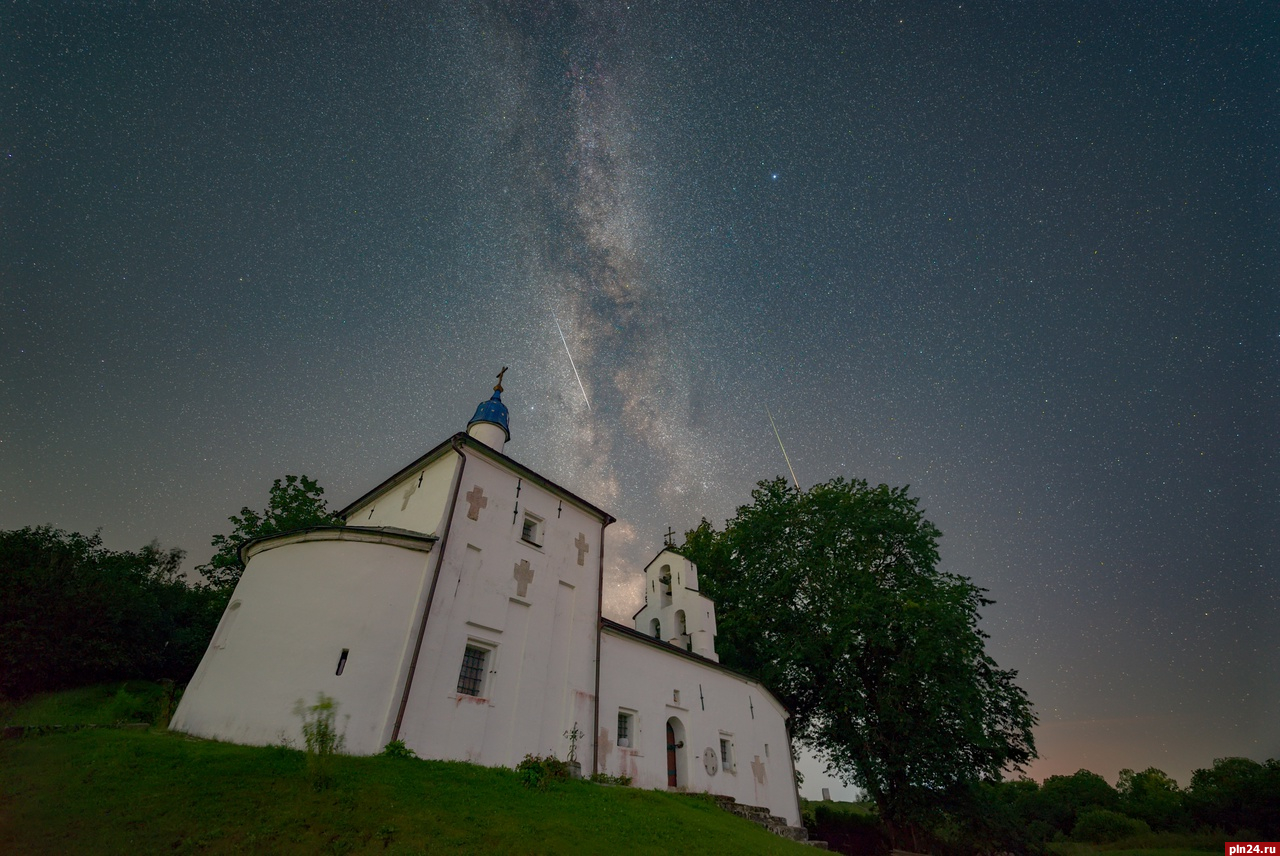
(493, 410)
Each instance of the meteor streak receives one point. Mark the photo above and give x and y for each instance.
(571, 363)
(782, 447)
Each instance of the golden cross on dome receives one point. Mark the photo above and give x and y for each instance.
(498, 388)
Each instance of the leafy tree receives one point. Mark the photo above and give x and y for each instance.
(295, 503)
(832, 597)
(73, 612)
(994, 817)
(1151, 796)
(1237, 794)
(1064, 798)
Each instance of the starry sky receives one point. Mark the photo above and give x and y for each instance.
(1019, 256)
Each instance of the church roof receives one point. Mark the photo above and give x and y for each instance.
(493, 411)
(378, 534)
(668, 548)
(473, 445)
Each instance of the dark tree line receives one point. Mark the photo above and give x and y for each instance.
(1235, 798)
(73, 612)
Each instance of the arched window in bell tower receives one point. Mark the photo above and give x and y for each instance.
(655, 628)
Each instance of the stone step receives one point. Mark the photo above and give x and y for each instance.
(762, 817)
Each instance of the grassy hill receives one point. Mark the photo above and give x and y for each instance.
(141, 790)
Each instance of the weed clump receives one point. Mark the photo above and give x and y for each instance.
(397, 749)
(321, 736)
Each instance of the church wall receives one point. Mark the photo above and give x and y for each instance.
(417, 503)
(294, 611)
(531, 608)
(653, 686)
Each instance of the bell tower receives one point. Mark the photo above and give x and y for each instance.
(674, 610)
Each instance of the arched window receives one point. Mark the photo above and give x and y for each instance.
(655, 627)
(664, 577)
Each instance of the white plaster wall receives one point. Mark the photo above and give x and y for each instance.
(298, 606)
(542, 671)
(641, 678)
(416, 503)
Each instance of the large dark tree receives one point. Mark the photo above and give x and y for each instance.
(1151, 796)
(1063, 799)
(295, 503)
(833, 598)
(1237, 794)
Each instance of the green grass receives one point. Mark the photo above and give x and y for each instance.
(104, 704)
(131, 791)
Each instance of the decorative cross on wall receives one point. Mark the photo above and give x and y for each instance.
(523, 575)
(477, 500)
(582, 546)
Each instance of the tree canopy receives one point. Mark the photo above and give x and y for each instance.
(833, 598)
(295, 503)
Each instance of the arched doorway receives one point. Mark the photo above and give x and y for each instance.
(676, 774)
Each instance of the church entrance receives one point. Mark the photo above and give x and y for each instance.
(677, 776)
(671, 756)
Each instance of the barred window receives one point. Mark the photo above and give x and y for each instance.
(531, 531)
(624, 729)
(471, 678)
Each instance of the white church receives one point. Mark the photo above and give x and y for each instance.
(459, 610)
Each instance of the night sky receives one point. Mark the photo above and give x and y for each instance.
(1018, 256)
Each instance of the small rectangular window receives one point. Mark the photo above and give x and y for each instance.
(726, 754)
(471, 676)
(531, 531)
(342, 661)
(626, 726)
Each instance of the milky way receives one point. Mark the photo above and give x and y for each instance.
(591, 255)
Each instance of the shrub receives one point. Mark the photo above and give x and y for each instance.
(1100, 826)
(606, 779)
(397, 749)
(127, 707)
(538, 773)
